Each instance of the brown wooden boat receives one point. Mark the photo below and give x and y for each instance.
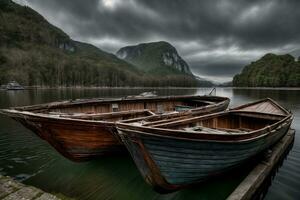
(84, 129)
(172, 155)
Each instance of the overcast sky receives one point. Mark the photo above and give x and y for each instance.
(217, 37)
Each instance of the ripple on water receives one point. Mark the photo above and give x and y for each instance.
(24, 177)
(31, 157)
(19, 160)
(281, 190)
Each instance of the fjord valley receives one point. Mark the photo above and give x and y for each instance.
(35, 53)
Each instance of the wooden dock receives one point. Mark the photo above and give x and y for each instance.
(11, 190)
(250, 186)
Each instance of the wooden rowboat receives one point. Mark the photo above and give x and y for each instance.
(84, 129)
(176, 154)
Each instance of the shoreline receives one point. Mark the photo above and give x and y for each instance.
(92, 87)
(265, 88)
(136, 88)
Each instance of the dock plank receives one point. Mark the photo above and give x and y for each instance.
(47, 196)
(8, 186)
(251, 184)
(11, 189)
(25, 193)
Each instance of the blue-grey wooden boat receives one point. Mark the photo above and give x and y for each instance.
(175, 154)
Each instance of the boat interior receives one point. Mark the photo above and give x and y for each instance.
(156, 105)
(229, 122)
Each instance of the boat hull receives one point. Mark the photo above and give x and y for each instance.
(75, 140)
(169, 163)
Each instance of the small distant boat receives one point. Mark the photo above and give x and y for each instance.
(84, 129)
(174, 154)
(14, 86)
(2, 87)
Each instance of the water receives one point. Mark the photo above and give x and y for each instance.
(31, 160)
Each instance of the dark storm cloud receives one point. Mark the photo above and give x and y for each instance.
(215, 37)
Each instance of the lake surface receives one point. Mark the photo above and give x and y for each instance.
(33, 161)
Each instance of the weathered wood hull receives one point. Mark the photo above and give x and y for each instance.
(77, 140)
(170, 164)
(170, 159)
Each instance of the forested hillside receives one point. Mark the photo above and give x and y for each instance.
(270, 71)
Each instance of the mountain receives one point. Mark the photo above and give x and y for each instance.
(270, 71)
(157, 58)
(35, 53)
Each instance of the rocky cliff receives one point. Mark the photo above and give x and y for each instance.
(155, 57)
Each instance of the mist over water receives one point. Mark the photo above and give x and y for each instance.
(33, 161)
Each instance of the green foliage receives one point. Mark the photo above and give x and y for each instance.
(270, 71)
(34, 52)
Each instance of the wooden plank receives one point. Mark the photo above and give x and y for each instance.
(266, 106)
(11, 189)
